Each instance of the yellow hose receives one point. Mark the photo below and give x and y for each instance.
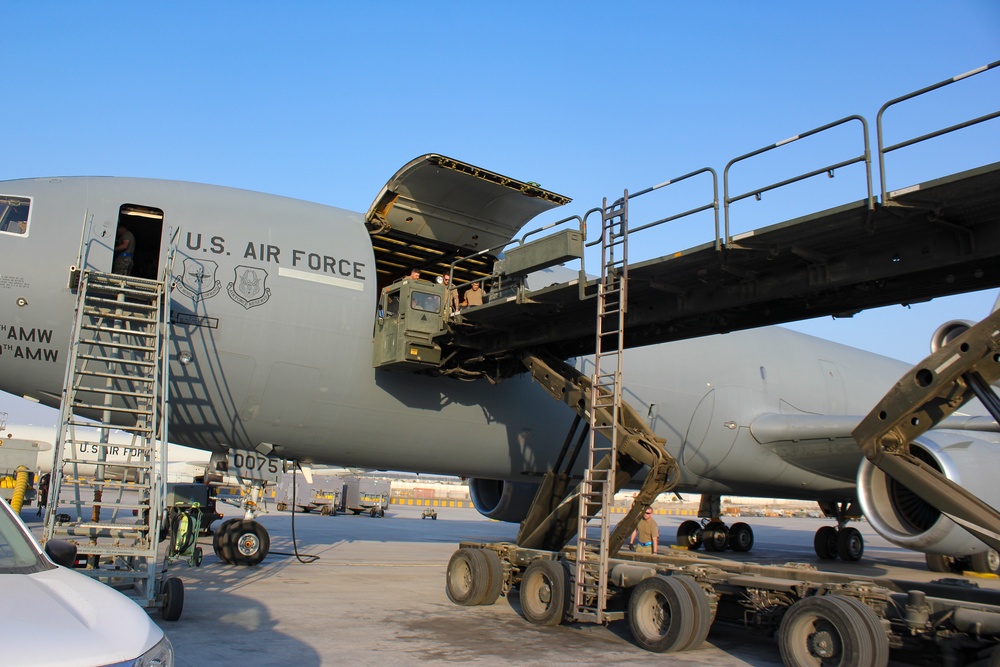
(20, 486)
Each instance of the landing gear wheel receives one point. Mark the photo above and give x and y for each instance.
(248, 542)
(829, 630)
(825, 543)
(324, 510)
(661, 615)
(464, 578)
(173, 599)
(741, 537)
(689, 535)
(985, 562)
(850, 544)
(220, 541)
(715, 536)
(938, 563)
(545, 592)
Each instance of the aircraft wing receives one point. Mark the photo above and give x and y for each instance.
(823, 443)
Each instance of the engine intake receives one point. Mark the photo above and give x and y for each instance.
(900, 516)
(948, 332)
(501, 500)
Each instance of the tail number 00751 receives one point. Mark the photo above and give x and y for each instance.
(254, 466)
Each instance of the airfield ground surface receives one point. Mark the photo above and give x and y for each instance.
(376, 595)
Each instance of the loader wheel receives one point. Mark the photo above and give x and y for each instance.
(661, 615)
(545, 592)
(831, 630)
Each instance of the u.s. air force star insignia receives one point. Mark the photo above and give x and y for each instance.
(197, 279)
(248, 288)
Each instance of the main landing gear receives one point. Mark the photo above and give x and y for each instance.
(712, 531)
(985, 562)
(844, 542)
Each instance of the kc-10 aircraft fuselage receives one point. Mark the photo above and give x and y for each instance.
(274, 309)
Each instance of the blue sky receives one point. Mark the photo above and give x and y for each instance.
(324, 101)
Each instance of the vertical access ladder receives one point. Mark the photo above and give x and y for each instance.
(111, 503)
(597, 490)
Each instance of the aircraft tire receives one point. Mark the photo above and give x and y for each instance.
(220, 541)
(951, 564)
(173, 599)
(825, 543)
(545, 592)
(850, 544)
(986, 562)
(689, 535)
(741, 537)
(715, 536)
(249, 542)
(661, 615)
(830, 629)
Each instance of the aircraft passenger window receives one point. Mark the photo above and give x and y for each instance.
(14, 214)
(426, 302)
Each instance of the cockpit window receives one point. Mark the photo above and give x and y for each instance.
(14, 214)
(424, 301)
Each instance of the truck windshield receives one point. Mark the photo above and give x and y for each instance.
(17, 552)
(430, 303)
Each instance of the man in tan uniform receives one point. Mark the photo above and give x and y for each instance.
(648, 534)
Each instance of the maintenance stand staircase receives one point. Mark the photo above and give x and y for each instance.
(597, 489)
(118, 368)
(621, 443)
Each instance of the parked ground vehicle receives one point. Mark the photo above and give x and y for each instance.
(64, 618)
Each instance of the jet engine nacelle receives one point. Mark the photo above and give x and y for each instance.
(906, 520)
(501, 500)
(948, 332)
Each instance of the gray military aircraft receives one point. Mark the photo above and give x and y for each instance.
(287, 340)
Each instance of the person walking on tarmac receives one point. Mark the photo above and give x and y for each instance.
(648, 533)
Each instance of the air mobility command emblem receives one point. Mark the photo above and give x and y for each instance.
(198, 280)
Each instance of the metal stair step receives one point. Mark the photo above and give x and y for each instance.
(117, 360)
(111, 408)
(115, 330)
(118, 345)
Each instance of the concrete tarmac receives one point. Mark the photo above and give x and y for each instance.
(376, 595)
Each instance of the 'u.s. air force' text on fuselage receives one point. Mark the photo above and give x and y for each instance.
(269, 253)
